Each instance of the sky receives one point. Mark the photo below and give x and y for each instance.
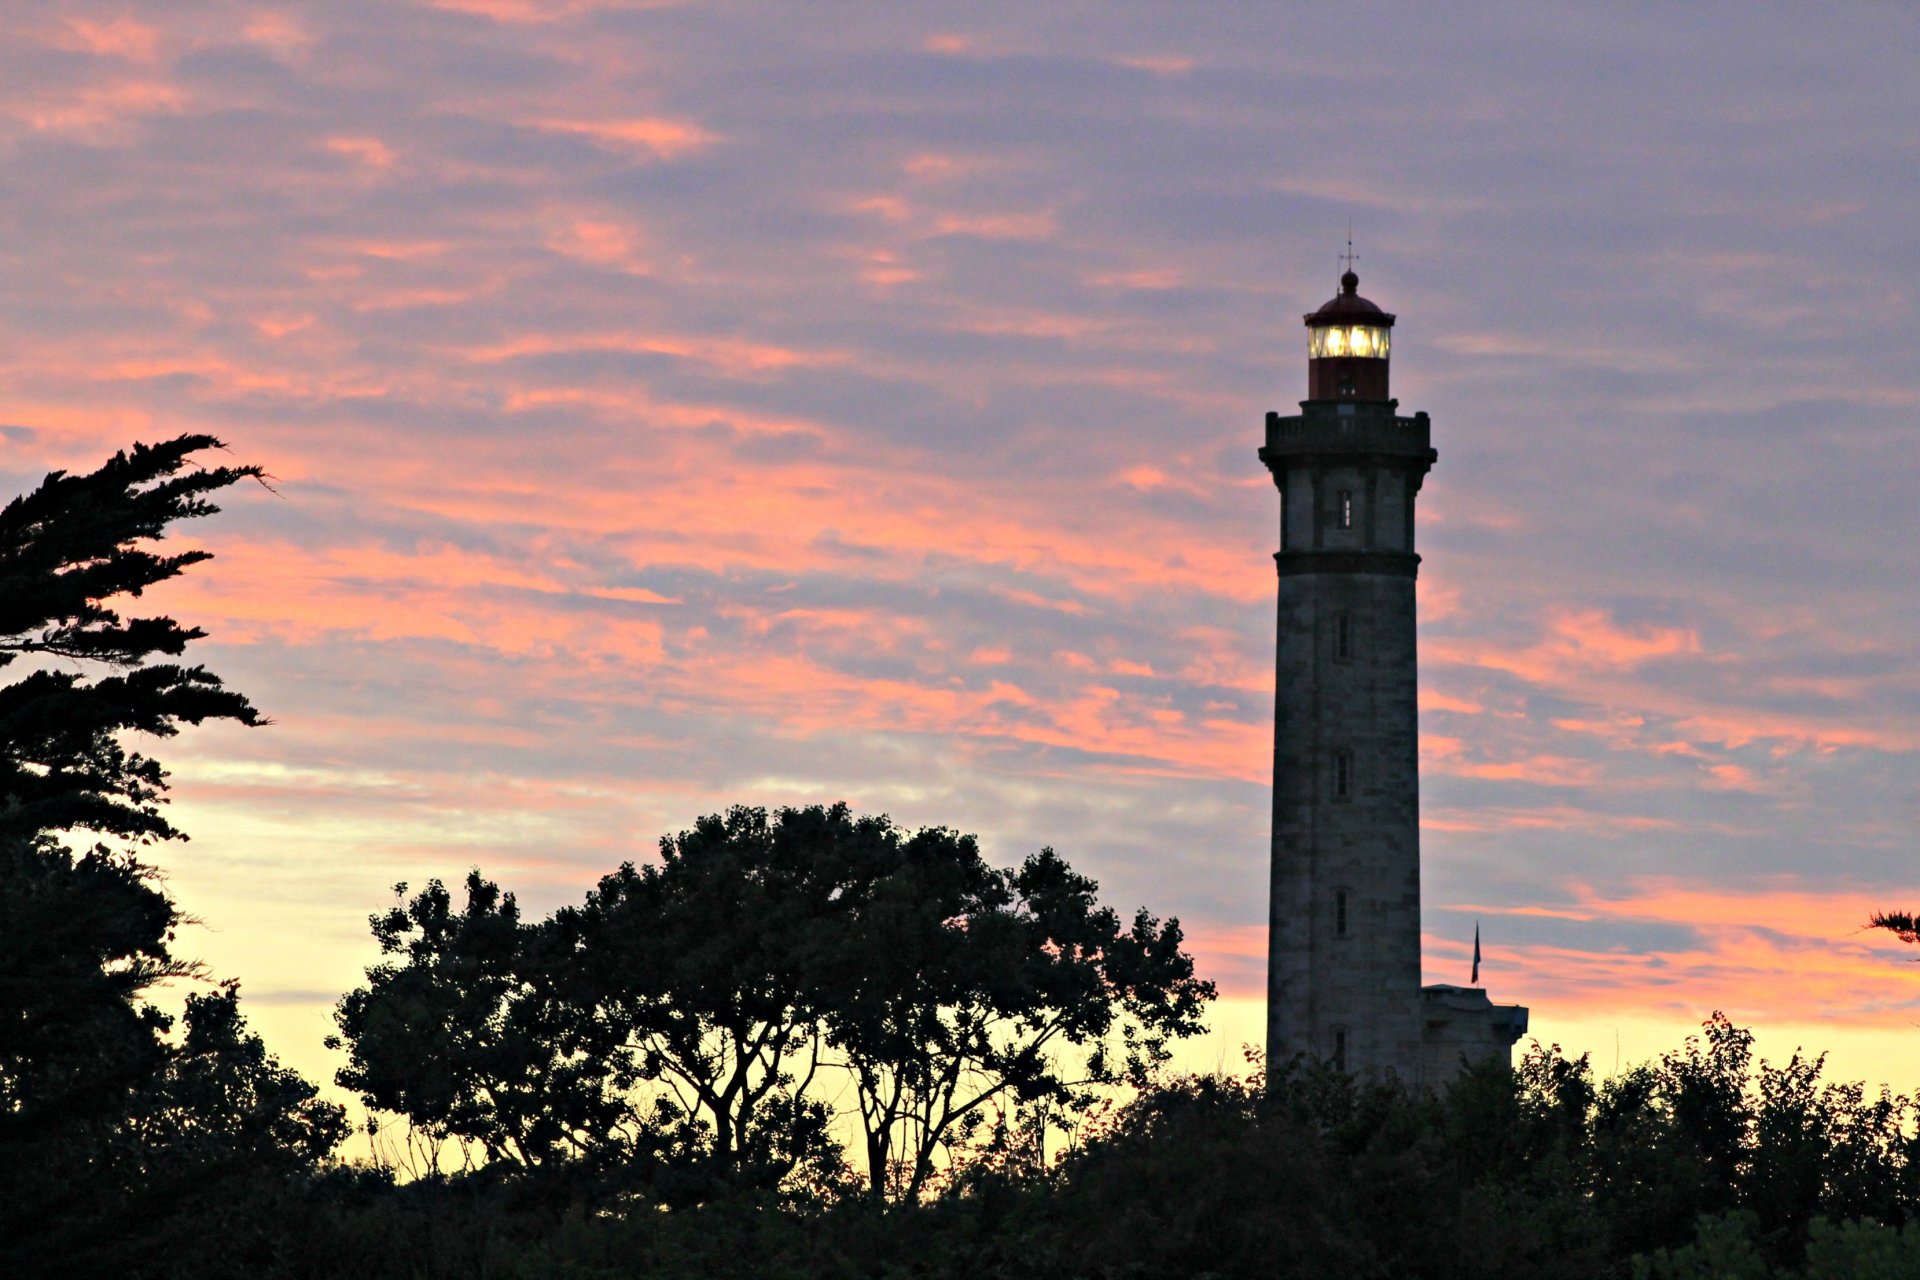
(673, 406)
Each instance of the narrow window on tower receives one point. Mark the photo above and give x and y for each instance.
(1339, 1048)
(1340, 913)
(1343, 637)
(1342, 775)
(1345, 512)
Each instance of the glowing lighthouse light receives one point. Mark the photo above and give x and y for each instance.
(1347, 344)
(1364, 340)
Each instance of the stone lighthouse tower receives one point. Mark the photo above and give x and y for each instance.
(1343, 975)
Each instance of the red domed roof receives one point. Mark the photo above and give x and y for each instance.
(1349, 307)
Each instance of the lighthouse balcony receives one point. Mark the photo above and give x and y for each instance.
(1339, 427)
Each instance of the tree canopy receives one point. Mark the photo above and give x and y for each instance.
(693, 1009)
(68, 551)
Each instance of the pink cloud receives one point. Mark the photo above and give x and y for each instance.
(650, 137)
(603, 242)
(731, 355)
(1579, 640)
(542, 12)
(371, 152)
(101, 114)
(122, 37)
(1778, 954)
(1160, 64)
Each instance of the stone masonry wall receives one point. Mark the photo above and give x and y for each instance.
(1349, 992)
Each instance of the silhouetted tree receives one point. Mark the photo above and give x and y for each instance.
(465, 1037)
(959, 987)
(225, 1105)
(700, 972)
(102, 1118)
(67, 550)
(759, 943)
(710, 989)
(80, 939)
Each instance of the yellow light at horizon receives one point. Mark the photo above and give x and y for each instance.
(1615, 1040)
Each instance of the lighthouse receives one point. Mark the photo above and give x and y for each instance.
(1343, 968)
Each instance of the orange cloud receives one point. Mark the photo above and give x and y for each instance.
(944, 166)
(282, 33)
(1579, 640)
(1434, 700)
(884, 268)
(102, 113)
(1161, 64)
(1618, 728)
(602, 243)
(122, 37)
(1778, 956)
(371, 152)
(441, 593)
(892, 208)
(1148, 279)
(395, 250)
(1776, 953)
(1233, 957)
(731, 355)
(1558, 817)
(1436, 601)
(1542, 770)
(996, 226)
(651, 137)
(542, 12)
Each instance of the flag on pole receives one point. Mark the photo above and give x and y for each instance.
(1476, 953)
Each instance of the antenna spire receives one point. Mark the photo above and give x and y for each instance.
(1348, 258)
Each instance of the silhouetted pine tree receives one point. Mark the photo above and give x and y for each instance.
(112, 1135)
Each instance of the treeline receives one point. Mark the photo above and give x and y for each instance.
(1702, 1164)
(807, 1043)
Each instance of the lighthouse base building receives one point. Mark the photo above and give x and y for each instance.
(1343, 982)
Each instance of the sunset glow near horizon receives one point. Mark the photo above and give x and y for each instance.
(679, 406)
